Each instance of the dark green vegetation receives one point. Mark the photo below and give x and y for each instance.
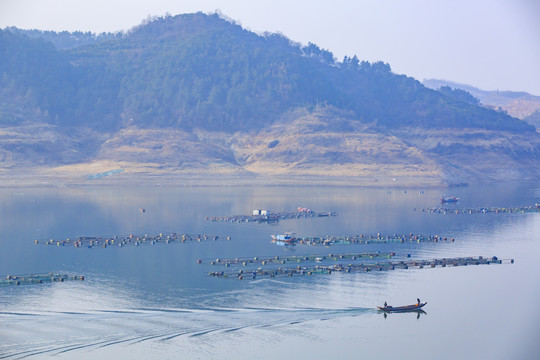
(200, 71)
(198, 90)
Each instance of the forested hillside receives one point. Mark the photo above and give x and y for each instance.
(198, 91)
(201, 71)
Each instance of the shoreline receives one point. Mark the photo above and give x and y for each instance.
(41, 180)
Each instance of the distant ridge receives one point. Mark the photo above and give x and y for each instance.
(519, 104)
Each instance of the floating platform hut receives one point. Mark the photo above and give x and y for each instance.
(125, 240)
(362, 267)
(267, 216)
(38, 278)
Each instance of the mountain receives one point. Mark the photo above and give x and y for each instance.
(197, 95)
(519, 104)
(65, 39)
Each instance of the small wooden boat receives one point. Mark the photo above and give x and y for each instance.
(402, 308)
(449, 199)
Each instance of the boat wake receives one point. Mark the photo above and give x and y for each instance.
(74, 332)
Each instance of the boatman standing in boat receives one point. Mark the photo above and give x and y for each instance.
(417, 301)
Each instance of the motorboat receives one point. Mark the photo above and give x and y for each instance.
(414, 307)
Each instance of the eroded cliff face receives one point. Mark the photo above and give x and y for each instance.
(473, 155)
(326, 144)
(323, 145)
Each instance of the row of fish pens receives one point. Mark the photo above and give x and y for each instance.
(329, 269)
(366, 239)
(269, 217)
(297, 259)
(38, 278)
(135, 240)
(483, 210)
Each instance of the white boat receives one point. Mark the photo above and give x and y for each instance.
(287, 237)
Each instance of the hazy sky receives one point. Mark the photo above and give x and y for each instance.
(491, 44)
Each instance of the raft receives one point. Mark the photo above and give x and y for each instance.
(378, 238)
(484, 210)
(136, 240)
(38, 278)
(355, 268)
(266, 260)
(270, 216)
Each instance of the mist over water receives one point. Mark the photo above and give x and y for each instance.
(155, 301)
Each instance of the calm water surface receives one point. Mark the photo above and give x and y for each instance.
(156, 302)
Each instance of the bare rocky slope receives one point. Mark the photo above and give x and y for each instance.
(322, 146)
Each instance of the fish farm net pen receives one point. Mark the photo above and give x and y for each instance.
(38, 278)
(483, 210)
(264, 216)
(285, 259)
(135, 240)
(366, 239)
(351, 268)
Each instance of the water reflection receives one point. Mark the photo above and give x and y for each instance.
(417, 312)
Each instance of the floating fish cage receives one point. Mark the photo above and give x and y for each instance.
(134, 240)
(483, 210)
(38, 278)
(265, 216)
(368, 239)
(362, 267)
(296, 259)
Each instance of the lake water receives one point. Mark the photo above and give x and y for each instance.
(156, 302)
